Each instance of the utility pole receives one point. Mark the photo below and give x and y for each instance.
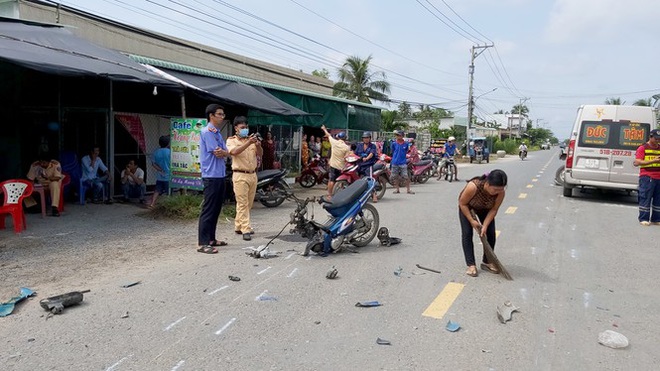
(475, 51)
(522, 100)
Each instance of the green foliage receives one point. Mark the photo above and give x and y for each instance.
(185, 207)
(539, 135)
(614, 101)
(520, 109)
(358, 83)
(643, 102)
(510, 146)
(322, 73)
(405, 111)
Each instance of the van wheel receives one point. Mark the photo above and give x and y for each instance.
(568, 192)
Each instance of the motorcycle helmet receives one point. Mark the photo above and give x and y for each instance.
(341, 135)
(398, 132)
(451, 139)
(366, 134)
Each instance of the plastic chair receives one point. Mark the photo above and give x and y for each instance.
(15, 191)
(65, 182)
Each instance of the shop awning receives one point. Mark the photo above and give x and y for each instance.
(55, 50)
(234, 92)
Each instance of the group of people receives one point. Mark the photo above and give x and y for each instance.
(313, 147)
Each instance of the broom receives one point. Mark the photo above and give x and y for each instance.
(490, 254)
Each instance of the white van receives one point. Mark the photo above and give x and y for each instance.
(603, 144)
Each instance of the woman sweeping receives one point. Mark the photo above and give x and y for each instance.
(484, 195)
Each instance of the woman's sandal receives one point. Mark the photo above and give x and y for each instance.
(396, 192)
(489, 269)
(207, 249)
(215, 243)
(472, 273)
(410, 192)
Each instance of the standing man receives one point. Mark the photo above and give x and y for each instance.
(132, 182)
(49, 175)
(100, 185)
(244, 150)
(212, 154)
(161, 162)
(339, 149)
(647, 158)
(399, 166)
(449, 151)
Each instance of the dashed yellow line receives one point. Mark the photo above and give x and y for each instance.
(535, 180)
(511, 210)
(444, 300)
(530, 186)
(497, 233)
(522, 195)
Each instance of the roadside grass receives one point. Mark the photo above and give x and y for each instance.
(185, 207)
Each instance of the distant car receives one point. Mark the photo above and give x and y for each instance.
(545, 146)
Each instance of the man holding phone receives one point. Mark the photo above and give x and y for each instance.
(244, 150)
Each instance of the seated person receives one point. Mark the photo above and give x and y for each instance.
(90, 167)
(49, 175)
(132, 182)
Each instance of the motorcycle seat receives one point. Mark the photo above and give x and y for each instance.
(422, 163)
(378, 166)
(344, 199)
(269, 174)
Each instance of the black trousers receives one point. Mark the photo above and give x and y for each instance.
(214, 195)
(467, 232)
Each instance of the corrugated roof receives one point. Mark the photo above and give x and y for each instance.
(245, 80)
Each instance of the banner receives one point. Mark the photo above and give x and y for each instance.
(184, 144)
(133, 125)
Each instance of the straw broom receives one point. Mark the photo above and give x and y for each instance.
(490, 254)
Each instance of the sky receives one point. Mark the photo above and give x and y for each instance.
(553, 55)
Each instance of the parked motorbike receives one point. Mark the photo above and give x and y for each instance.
(352, 219)
(315, 173)
(448, 170)
(421, 171)
(435, 159)
(272, 188)
(350, 174)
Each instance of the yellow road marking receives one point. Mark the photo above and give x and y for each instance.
(511, 210)
(522, 195)
(535, 180)
(530, 186)
(497, 233)
(444, 300)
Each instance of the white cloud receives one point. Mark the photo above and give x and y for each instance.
(581, 20)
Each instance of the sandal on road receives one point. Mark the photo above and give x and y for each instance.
(489, 269)
(207, 249)
(215, 243)
(396, 192)
(472, 271)
(410, 192)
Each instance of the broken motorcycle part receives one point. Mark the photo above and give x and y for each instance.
(56, 304)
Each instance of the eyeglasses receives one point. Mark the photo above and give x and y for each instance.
(219, 114)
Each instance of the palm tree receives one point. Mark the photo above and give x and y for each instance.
(643, 102)
(614, 101)
(520, 109)
(357, 82)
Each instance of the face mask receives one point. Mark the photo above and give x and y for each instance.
(243, 133)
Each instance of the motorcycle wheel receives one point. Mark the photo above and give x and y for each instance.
(339, 185)
(369, 216)
(381, 188)
(279, 188)
(308, 180)
(442, 173)
(559, 176)
(424, 177)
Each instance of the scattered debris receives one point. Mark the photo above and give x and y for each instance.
(30, 340)
(8, 307)
(418, 273)
(131, 284)
(385, 239)
(368, 304)
(263, 251)
(234, 278)
(267, 298)
(612, 339)
(486, 351)
(56, 304)
(398, 272)
(317, 322)
(332, 273)
(452, 326)
(427, 269)
(380, 341)
(601, 308)
(125, 315)
(504, 312)
(551, 330)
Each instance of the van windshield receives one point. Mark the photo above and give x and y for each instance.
(613, 134)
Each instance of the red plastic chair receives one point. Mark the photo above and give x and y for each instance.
(15, 191)
(65, 182)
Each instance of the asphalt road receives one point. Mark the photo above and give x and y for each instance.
(581, 265)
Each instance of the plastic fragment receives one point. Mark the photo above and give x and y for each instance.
(380, 341)
(452, 326)
(368, 304)
(612, 339)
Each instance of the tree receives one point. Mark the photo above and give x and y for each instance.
(614, 101)
(643, 102)
(499, 112)
(520, 109)
(405, 111)
(322, 73)
(357, 82)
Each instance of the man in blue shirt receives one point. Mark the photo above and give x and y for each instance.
(212, 154)
(450, 151)
(161, 162)
(399, 165)
(367, 152)
(100, 185)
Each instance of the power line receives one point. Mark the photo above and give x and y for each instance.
(466, 22)
(505, 71)
(454, 23)
(444, 22)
